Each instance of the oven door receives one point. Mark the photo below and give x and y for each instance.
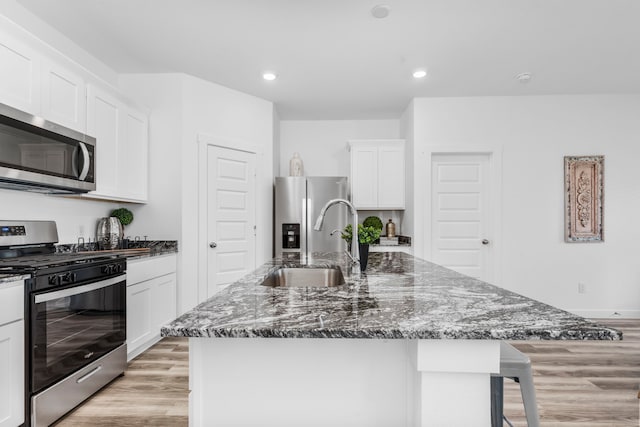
(73, 326)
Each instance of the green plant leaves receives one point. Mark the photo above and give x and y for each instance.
(366, 235)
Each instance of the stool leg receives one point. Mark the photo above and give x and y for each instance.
(497, 393)
(529, 398)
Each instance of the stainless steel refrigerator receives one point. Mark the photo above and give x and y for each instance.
(298, 201)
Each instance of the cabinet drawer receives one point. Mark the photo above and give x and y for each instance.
(11, 302)
(140, 270)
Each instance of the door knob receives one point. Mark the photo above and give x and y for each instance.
(485, 242)
(213, 245)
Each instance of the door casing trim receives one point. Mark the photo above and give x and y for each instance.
(205, 141)
(495, 171)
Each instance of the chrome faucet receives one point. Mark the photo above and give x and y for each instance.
(355, 247)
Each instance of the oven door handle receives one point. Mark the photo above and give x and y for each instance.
(49, 296)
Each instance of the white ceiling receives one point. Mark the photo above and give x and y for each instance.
(335, 61)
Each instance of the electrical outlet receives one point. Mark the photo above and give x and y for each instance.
(582, 288)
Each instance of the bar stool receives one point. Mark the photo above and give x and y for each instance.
(517, 366)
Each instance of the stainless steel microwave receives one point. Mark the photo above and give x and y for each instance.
(37, 155)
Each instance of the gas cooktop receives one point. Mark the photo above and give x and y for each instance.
(36, 262)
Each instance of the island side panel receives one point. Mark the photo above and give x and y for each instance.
(294, 382)
(455, 380)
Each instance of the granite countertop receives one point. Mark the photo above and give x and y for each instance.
(155, 247)
(400, 296)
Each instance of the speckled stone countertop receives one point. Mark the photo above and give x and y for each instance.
(400, 296)
(156, 247)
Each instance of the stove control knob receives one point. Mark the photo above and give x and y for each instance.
(54, 280)
(107, 269)
(118, 268)
(69, 277)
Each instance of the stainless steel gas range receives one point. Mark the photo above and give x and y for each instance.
(75, 311)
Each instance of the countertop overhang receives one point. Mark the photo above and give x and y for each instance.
(399, 297)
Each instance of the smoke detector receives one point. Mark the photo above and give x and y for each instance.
(523, 77)
(380, 11)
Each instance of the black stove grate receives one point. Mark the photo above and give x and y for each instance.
(37, 262)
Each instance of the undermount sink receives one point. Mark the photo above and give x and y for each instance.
(305, 277)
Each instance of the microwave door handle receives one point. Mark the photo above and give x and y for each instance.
(85, 162)
(74, 161)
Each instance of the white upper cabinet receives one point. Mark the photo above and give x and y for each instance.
(377, 174)
(37, 79)
(132, 155)
(19, 75)
(121, 134)
(64, 96)
(31, 82)
(103, 123)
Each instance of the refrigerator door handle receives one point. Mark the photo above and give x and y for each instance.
(304, 229)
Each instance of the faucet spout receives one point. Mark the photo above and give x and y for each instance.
(355, 247)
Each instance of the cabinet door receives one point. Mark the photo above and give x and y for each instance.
(19, 75)
(139, 322)
(63, 97)
(103, 123)
(132, 155)
(164, 300)
(12, 374)
(391, 177)
(364, 176)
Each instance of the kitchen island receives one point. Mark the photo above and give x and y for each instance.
(409, 343)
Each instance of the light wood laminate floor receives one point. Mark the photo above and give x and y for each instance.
(578, 383)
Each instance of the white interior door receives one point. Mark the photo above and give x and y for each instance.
(460, 213)
(231, 216)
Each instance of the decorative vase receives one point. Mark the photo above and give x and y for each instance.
(364, 255)
(109, 233)
(295, 166)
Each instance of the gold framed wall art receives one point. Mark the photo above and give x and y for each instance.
(584, 198)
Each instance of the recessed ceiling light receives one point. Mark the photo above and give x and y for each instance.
(380, 11)
(269, 76)
(524, 77)
(419, 74)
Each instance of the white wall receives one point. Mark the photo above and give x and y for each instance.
(322, 144)
(183, 107)
(160, 218)
(225, 113)
(74, 217)
(535, 133)
(37, 32)
(406, 132)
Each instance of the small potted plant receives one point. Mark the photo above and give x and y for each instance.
(366, 236)
(124, 215)
(375, 222)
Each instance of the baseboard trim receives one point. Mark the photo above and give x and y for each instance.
(607, 314)
(137, 351)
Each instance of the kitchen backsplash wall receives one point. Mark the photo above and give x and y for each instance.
(74, 217)
(385, 216)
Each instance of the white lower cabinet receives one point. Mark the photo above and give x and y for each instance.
(151, 301)
(12, 355)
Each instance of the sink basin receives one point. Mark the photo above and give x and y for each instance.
(305, 277)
